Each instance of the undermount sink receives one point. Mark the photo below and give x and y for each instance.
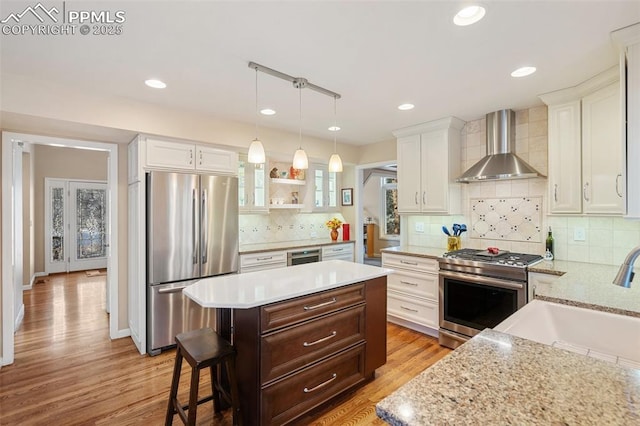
(610, 337)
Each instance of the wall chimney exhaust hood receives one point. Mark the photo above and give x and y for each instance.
(501, 162)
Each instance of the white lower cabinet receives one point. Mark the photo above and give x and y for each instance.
(338, 252)
(412, 296)
(262, 261)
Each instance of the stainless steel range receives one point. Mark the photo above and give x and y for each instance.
(479, 289)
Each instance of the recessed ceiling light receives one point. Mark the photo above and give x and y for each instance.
(523, 72)
(406, 107)
(469, 15)
(334, 128)
(267, 111)
(156, 84)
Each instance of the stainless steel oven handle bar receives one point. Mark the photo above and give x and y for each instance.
(488, 281)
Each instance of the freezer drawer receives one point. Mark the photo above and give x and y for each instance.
(170, 313)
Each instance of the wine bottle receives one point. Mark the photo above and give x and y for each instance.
(549, 242)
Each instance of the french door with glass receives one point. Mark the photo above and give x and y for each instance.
(75, 225)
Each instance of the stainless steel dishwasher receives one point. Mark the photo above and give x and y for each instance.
(299, 257)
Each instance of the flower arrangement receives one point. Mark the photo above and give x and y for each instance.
(334, 224)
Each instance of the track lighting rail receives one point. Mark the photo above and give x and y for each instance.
(298, 82)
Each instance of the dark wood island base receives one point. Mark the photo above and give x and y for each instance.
(296, 355)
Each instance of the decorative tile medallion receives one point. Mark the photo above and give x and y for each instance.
(508, 218)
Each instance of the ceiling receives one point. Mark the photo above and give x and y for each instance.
(377, 55)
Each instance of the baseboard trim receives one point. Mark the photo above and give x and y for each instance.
(413, 326)
(19, 318)
(33, 280)
(125, 332)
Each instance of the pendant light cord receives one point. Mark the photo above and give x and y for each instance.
(335, 124)
(257, 116)
(300, 105)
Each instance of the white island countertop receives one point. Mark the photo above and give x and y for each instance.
(243, 291)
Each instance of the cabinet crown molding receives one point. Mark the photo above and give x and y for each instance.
(579, 91)
(443, 123)
(626, 36)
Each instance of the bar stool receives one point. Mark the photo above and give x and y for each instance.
(203, 348)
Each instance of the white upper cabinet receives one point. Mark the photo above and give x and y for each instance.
(324, 196)
(586, 148)
(602, 148)
(252, 187)
(628, 41)
(428, 164)
(409, 186)
(169, 155)
(565, 159)
(216, 160)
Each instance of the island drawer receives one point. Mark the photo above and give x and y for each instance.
(423, 285)
(414, 263)
(296, 394)
(422, 312)
(286, 313)
(295, 347)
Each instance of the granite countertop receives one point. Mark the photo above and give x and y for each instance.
(286, 245)
(496, 378)
(587, 285)
(428, 252)
(243, 291)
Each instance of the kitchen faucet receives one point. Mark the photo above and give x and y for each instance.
(625, 273)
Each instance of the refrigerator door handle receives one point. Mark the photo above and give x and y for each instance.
(205, 228)
(194, 237)
(171, 290)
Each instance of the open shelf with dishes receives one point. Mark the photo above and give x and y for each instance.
(287, 187)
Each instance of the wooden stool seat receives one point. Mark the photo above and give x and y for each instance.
(203, 348)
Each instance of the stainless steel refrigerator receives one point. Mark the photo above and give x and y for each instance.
(192, 233)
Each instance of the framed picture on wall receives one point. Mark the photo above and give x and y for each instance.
(347, 197)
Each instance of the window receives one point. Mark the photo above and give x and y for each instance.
(390, 226)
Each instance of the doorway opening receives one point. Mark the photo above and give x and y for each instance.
(377, 210)
(13, 230)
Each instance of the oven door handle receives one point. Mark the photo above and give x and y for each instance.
(488, 281)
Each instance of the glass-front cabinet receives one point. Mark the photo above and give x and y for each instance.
(252, 186)
(325, 184)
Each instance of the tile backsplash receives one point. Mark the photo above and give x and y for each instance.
(284, 225)
(507, 218)
(607, 239)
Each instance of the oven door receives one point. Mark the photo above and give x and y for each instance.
(471, 303)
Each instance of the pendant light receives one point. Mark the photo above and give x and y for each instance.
(335, 162)
(256, 150)
(300, 160)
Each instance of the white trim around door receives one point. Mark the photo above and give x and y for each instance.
(9, 264)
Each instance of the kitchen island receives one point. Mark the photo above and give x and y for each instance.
(303, 334)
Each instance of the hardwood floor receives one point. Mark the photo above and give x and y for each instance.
(68, 372)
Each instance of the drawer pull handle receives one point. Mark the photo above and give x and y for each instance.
(409, 283)
(324, 339)
(321, 385)
(320, 305)
(264, 258)
(409, 263)
(408, 309)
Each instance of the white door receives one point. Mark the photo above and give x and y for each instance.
(75, 225)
